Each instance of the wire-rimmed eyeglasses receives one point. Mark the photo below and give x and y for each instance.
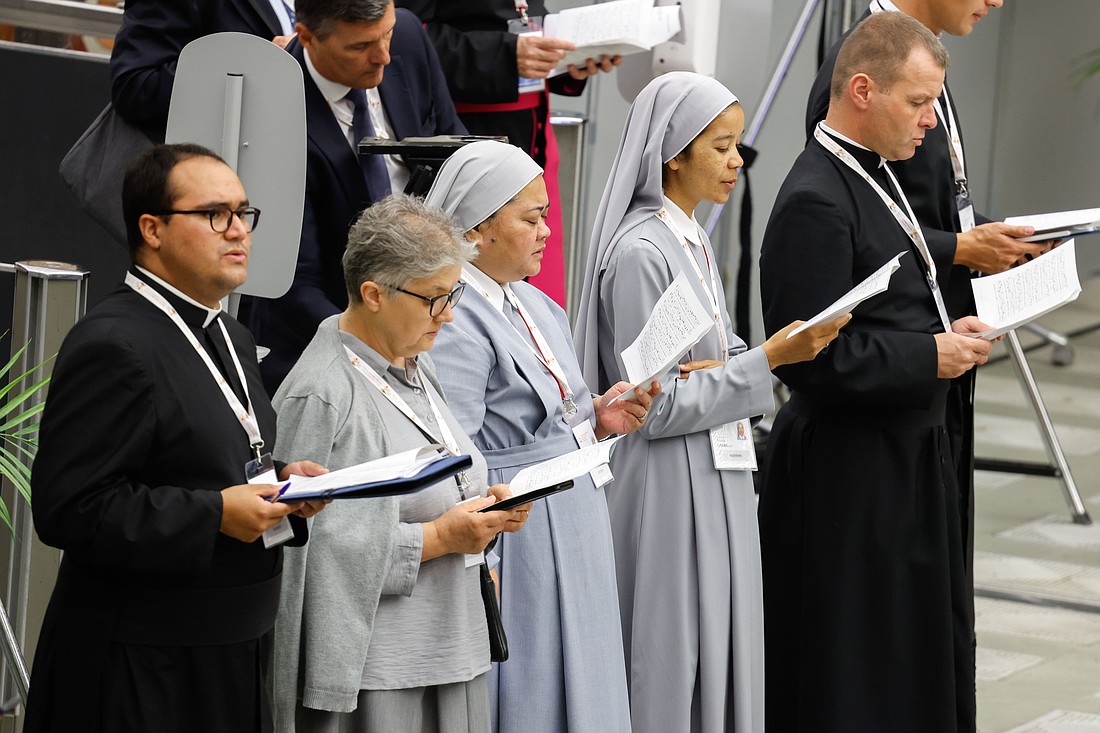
(439, 303)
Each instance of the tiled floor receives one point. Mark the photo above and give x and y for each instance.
(1039, 662)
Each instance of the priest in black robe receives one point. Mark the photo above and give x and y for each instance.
(162, 612)
(866, 608)
(929, 180)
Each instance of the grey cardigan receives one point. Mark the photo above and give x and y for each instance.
(314, 404)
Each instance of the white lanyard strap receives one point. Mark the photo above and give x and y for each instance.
(906, 219)
(711, 291)
(245, 415)
(445, 436)
(958, 164)
(543, 352)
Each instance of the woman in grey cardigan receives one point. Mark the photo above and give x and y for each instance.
(381, 624)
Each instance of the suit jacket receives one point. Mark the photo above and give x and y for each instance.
(414, 95)
(148, 45)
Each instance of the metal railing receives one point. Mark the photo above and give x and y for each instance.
(62, 16)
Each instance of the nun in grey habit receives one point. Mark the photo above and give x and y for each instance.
(513, 381)
(685, 533)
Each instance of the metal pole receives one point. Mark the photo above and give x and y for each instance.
(1046, 428)
(231, 124)
(771, 91)
(13, 657)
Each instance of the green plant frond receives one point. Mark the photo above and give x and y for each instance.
(29, 374)
(1087, 66)
(4, 515)
(22, 483)
(21, 418)
(14, 358)
(12, 465)
(25, 434)
(27, 448)
(22, 397)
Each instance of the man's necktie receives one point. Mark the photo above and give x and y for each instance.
(374, 167)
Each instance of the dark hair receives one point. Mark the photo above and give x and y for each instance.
(321, 16)
(145, 187)
(879, 48)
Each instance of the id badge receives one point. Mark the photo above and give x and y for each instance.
(732, 446)
(533, 27)
(262, 471)
(585, 437)
(966, 212)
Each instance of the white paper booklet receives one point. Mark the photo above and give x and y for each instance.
(1058, 225)
(875, 283)
(620, 27)
(563, 468)
(1010, 299)
(398, 466)
(676, 324)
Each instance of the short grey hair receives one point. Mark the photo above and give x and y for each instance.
(879, 47)
(399, 239)
(321, 16)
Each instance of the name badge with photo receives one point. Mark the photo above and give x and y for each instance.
(262, 471)
(732, 446)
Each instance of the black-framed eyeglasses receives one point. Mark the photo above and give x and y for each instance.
(221, 217)
(438, 304)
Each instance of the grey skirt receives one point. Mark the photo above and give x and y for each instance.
(459, 707)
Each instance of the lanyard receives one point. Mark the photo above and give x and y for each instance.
(245, 415)
(544, 353)
(521, 9)
(712, 291)
(958, 165)
(446, 436)
(905, 218)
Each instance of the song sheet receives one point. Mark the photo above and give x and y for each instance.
(620, 27)
(563, 468)
(400, 465)
(1010, 299)
(877, 282)
(1059, 224)
(676, 324)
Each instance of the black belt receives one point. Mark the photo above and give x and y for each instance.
(884, 416)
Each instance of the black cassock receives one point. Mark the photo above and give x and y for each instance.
(929, 183)
(158, 622)
(866, 610)
(478, 55)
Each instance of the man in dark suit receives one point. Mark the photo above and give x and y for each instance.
(866, 601)
(165, 601)
(154, 32)
(362, 61)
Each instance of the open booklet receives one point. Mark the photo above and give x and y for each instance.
(616, 28)
(556, 474)
(875, 283)
(1010, 299)
(678, 321)
(400, 473)
(1058, 225)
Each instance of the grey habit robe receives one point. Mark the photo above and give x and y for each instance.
(565, 669)
(865, 595)
(686, 541)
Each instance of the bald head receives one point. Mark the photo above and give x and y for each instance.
(879, 48)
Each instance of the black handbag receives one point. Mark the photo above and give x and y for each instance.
(94, 167)
(498, 640)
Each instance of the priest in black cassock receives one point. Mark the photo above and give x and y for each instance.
(867, 616)
(936, 183)
(166, 596)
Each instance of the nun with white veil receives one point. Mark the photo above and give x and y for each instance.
(513, 381)
(682, 507)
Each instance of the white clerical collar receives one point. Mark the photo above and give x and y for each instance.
(850, 141)
(491, 287)
(687, 226)
(330, 90)
(211, 313)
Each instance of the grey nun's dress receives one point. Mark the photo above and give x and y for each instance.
(566, 670)
(686, 540)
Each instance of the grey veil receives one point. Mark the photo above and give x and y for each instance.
(667, 115)
(480, 178)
